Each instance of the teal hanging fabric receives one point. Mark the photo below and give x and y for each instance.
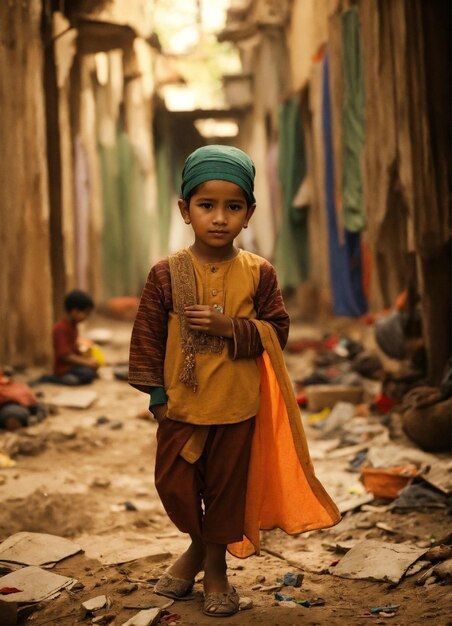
(125, 250)
(111, 240)
(164, 196)
(135, 216)
(353, 124)
(165, 185)
(291, 249)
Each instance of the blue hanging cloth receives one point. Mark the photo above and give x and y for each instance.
(344, 259)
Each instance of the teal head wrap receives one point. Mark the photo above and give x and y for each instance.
(218, 163)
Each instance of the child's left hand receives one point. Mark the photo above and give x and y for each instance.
(206, 319)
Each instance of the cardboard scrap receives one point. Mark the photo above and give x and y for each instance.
(36, 549)
(37, 584)
(323, 396)
(341, 413)
(439, 475)
(116, 550)
(144, 618)
(97, 603)
(74, 399)
(354, 503)
(341, 547)
(390, 454)
(349, 451)
(376, 560)
(322, 449)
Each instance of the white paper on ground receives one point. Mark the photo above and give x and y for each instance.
(74, 399)
(36, 584)
(439, 475)
(144, 618)
(97, 603)
(116, 550)
(354, 503)
(36, 548)
(377, 560)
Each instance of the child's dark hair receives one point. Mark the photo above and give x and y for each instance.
(78, 300)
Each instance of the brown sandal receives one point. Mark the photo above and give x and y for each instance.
(175, 588)
(221, 604)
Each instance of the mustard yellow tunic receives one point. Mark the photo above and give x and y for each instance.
(228, 390)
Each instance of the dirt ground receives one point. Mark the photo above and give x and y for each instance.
(91, 479)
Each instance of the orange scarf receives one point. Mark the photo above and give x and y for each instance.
(283, 491)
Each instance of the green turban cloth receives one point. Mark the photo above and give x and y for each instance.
(218, 163)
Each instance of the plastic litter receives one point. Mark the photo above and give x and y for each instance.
(387, 482)
(5, 591)
(318, 418)
(419, 495)
(6, 461)
(306, 603)
(170, 617)
(282, 598)
(293, 579)
(392, 608)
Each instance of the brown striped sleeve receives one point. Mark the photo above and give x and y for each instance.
(270, 307)
(148, 341)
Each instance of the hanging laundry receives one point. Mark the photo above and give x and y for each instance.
(345, 259)
(353, 123)
(291, 250)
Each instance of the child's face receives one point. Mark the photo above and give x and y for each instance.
(217, 211)
(76, 315)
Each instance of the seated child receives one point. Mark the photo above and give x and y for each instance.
(70, 366)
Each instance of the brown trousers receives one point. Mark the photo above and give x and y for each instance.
(206, 498)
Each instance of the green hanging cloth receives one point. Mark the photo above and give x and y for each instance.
(126, 233)
(353, 124)
(291, 249)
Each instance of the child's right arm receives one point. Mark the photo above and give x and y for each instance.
(149, 334)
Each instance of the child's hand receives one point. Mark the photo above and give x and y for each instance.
(159, 411)
(206, 319)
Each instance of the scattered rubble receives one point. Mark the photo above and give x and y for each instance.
(144, 618)
(388, 540)
(95, 604)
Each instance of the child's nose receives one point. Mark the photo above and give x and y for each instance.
(220, 217)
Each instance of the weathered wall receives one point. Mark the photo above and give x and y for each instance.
(308, 30)
(25, 278)
(407, 152)
(59, 54)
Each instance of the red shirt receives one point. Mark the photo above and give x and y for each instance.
(15, 391)
(64, 342)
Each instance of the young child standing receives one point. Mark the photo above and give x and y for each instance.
(207, 346)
